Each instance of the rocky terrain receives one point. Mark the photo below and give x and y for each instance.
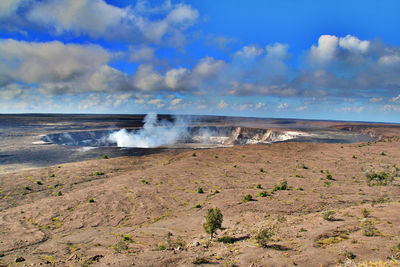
(149, 210)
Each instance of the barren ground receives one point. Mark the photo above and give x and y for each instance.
(46, 216)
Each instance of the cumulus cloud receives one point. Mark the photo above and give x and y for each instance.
(259, 105)
(141, 53)
(354, 44)
(175, 101)
(46, 62)
(283, 106)
(376, 99)
(325, 50)
(222, 104)
(396, 99)
(100, 19)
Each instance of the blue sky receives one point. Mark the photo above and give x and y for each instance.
(300, 59)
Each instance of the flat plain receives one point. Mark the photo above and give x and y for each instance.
(341, 203)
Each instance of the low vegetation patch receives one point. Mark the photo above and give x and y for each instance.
(247, 198)
(200, 260)
(378, 178)
(281, 186)
(264, 235)
(329, 215)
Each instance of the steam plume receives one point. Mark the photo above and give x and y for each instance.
(153, 134)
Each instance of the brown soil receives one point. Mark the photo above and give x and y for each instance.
(137, 201)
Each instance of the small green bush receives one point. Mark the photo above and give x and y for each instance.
(52, 175)
(143, 181)
(381, 178)
(262, 193)
(329, 215)
(259, 186)
(304, 167)
(91, 200)
(194, 155)
(264, 235)
(213, 222)
(247, 198)
(200, 190)
(365, 213)
(38, 182)
(261, 170)
(104, 157)
(200, 260)
(198, 206)
(329, 176)
(279, 187)
(226, 239)
(27, 188)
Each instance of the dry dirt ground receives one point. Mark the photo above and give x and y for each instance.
(119, 211)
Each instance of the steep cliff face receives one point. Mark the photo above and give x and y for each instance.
(224, 136)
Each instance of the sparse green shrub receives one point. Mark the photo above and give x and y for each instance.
(143, 181)
(264, 235)
(279, 187)
(247, 198)
(216, 192)
(262, 193)
(369, 228)
(354, 157)
(216, 156)
(200, 190)
(329, 176)
(329, 215)
(120, 246)
(91, 200)
(194, 155)
(259, 186)
(261, 170)
(126, 237)
(198, 206)
(226, 239)
(381, 178)
(200, 260)
(104, 157)
(303, 167)
(327, 184)
(38, 182)
(213, 222)
(383, 154)
(365, 213)
(52, 175)
(300, 188)
(27, 188)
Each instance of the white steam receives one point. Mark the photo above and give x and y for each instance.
(153, 134)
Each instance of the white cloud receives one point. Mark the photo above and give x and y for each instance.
(277, 51)
(175, 78)
(141, 53)
(49, 62)
(396, 99)
(99, 19)
(259, 105)
(175, 101)
(376, 99)
(283, 106)
(353, 109)
(222, 104)
(391, 108)
(301, 108)
(147, 79)
(326, 49)
(354, 44)
(139, 101)
(250, 51)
